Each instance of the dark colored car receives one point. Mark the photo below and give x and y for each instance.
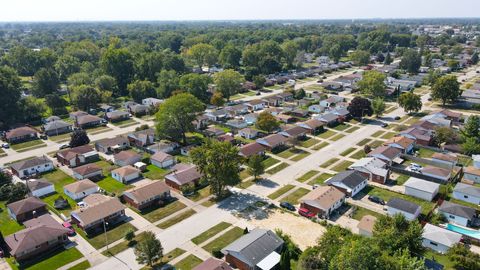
(306, 213)
(384, 125)
(287, 206)
(64, 146)
(376, 199)
(397, 118)
(44, 137)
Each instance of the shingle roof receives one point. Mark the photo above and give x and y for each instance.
(108, 142)
(18, 132)
(73, 152)
(467, 189)
(471, 170)
(98, 208)
(440, 235)
(57, 124)
(117, 114)
(213, 264)
(350, 179)
(436, 171)
(183, 174)
(29, 163)
(38, 184)
(145, 192)
(403, 205)
(88, 118)
(87, 169)
(251, 149)
(403, 141)
(124, 155)
(387, 151)
(26, 205)
(457, 210)
(323, 197)
(272, 140)
(422, 185)
(160, 156)
(445, 157)
(126, 170)
(80, 186)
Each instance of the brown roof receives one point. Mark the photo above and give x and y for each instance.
(39, 231)
(472, 170)
(87, 169)
(98, 207)
(273, 140)
(400, 140)
(184, 174)
(366, 223)
(225, 138)
(73, 152)
(213, 264)
(445, 157)
(387, 151)
(19, 132)
(88, 118)
(126, 170)
(323, 197)
(108, 142)
(450, 114)
(26, 205)
(80, 186)
(295, 131)
(147, 191)
(251, 149)
(38, 184)
(161, 156)
(124, 155)
(314, 123)
(436, 171)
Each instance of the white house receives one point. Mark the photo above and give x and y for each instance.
(237, 123)
(472, 173)
(476, 161)
(91, 170)
(80, 189)
(32, 166)
(399, 206)
(439, 239)
(251, 118)
(349, 182)
(40, 187)
(248, 133)
(421, 189)
(316, 108)
(374, 168)
(152, 101)
(255, 105)
(456, 213)
(162, 160)
(126, 174)
(466, 193)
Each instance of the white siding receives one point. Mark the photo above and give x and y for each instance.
(466, 198)
(455, 219)
(435, 246)
(80, 195)
(424, 195)
(472, 177)
(43, 191)
(164, 164)
(36, 169)
(393, 211)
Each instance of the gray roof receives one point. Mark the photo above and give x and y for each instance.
(253, 247)
(350, 179)
(38, 184)
(440, 235)
(467, 189)
(422, 185)
(403, 205)
(28, 163)
(56, 124)
(457, 210)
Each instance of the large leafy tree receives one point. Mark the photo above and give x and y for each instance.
(56, 103)
(267, 122)
(31, 109)
(118, 63)
(410, 102)
(446, 88)
(219, 163)
(203, 54)
(196, 85)
(228, 82)
(175, 116)
(411, 61)
(85, 97)
(360, 58)
(360, 107)
(378, 106)
(471, 129)
(372, 83)
(332, 241)
(230, 57)
(106, 83)
(66, 65)
(463, 258)
(360, 253)
(290, 50)
(45, 82)
(10, 93)
(149, 250)
(79, 137)
(168, 82)
(255, 166)
(139, 90)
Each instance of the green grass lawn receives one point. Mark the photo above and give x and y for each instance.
(440, 258)
(188, 263)
(7, 225)
(113, 234)
(122, 246)
(377, 134)
(329, 163)
(60, 138)
(20, 147)
(352, 129)
(51, 260)
(388, 135)
(376, 143)
(360, 212)
(270, 161)
(301, 155)
(425, 153)
(348, 151)
(59, 179)
(224, 240)
(210, 232)
(97, 130)
(307, 176)
(342, 166)
(309, 143)
(176, 219)
(358, 154)
(201, 194)
(246, 183)
(288, 153)
(153, 172)
(402, 178)
(111, 185)
(159, 213)
(295, 196)
(172, 255)
(81, 266)
(277, 168)
(320, 146)
(341, 127)
(280, 191)
(2, 153)
(319, 180)
(126, 122)
(244, 174)
(363, 142)
(326, 134)
(337, 137)
(386, 195)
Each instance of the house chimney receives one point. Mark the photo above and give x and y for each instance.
(15, 237)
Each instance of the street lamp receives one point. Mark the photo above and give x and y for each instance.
(105, 231)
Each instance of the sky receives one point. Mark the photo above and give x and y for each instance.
(186, 10)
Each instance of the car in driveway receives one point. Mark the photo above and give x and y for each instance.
(68, 225)
(287, 206)
(306, 213)
(384, 125)
(5, 145)
(397, 118)
(376, 199)
(64, 146)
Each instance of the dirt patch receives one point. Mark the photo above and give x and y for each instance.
(303, 231)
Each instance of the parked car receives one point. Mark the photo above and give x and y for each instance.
(287, 206)
(2, 254)
(376, 199)
(5, 145)
(43, 137)
(64, 146)
(397, 118)
(306, 213)
(384, 125)
(71, 231)
(167, 267)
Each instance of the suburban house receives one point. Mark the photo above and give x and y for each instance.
(162, 160)
(316, 108)
(216, 115)
(458, 214)
(99, 209)
(272, 141)
(439, 239)
(349, 182)
(126, 174)
(213, 131)
(139, 109)
(373, 168)
(41, 235)
(112, 145)
(436, 172)
(251, 149)
(154, 102)
(76, 114)
(323, 200)
(259, 249)
(77, 156)
(80, 189)
(32, 166)
(313, 126)
(142, 138)
(399, 206)
(200, 122)
(450, 159)
(141, 197)
(285, 118)
(403, 143)
(251, 118)
(248, 133)
(226, 138)
(421, 189)
(237, 123)
(387, 154)
(255, 105)
(421, 136)
(366, 224)
(127, 157)
(26, 209)
(117, 116)
(106, 108)
(182, 175)
(40, 187)
(57, 127)
(88, 120)
(87, 171)
(294, 132)
(466, 193)
(213, 264)
(329, 119)
(471, 173)
(20, 134)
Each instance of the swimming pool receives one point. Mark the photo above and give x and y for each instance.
(471, 233)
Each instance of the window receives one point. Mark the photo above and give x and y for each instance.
(452, 217)
(465, 196)
(433, 243)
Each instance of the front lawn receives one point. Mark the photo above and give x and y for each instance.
(375, 144)
(280, 191)
(377, 134)
(113, 186)
(81, 266)
(60, 138)
(288, 153)
(319, 180)
(114, 233)
(7, 224)
(126, 122)
(188, 263)
(201, 194)
(123, 245)
(277, 168)
(348, 151)
(329, 162)
(176, 219)
(388, 135)
(342, 166)
(295, 196)
(224, 240)
(360, 212)
(358, 154)
(153, 214)
(210, 232)
(20, 147)
(309, 143)
(153, 172)
(50, 260)
(172, 255)
(300, 156)
(307, 176)
(363, 142)
(326, 134)
(337, 137)
(270, 161)
(320, 146)
(352, 129)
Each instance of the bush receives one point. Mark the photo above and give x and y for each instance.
(217, 254)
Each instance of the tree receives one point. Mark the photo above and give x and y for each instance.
(285, 261)
(335, 52)
(10, 93)
(13, 192)
(463, 258)
(56, 103)
(288, 245)
(259, 81)
(85, 97)
(290, 49)
(196, 85)
(471, 129)
(149, 250)
(332, 241)
(139, 90)
(167, 83)
(311, 260)
(217, 99)
(410, 102)
(45, 81)
(474, 58)
(360, 107)
(31, 109)
(79, 137)
(360, 58)
(203, 54)
(219, 164)
(470, 146)
(228, 82)
(174, 117)
(446, 88)
(230, 57)
(256, 166)
(130, 235)
(378, 106)
(411, 61)
(5, 178)
(443, 135)
(267, 122)
(356, 254)
(372, 83)
(106, 83)
(388, 59)
(300, 93)
(118, 63)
